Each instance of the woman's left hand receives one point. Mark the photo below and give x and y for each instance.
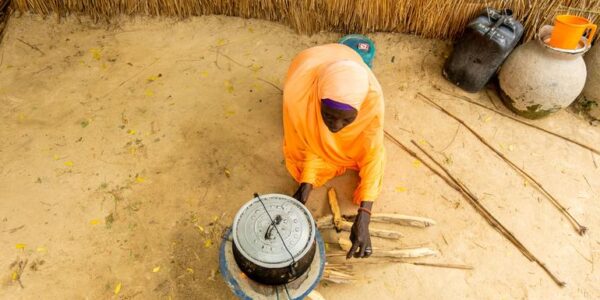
(359, 234)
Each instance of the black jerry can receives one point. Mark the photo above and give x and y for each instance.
(478, 54)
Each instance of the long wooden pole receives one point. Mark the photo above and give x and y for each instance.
(580, 229)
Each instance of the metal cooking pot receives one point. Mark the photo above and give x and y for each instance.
(273, 239)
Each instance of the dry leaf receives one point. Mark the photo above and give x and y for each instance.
(139, 179)
(229, 86)
(400, 189)
(68, 163)
(190, 270)
(221, 42)
(207, 243)
(132, 131)
(20, 246)
(149, 92)
(156, 269)
(41, 249)
(95, 222)
(227, 173)
(203, 74)
(96, 53)
(416, 163)
(118, 288)
(152, 78)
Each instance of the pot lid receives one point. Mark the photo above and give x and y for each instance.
(260, 243)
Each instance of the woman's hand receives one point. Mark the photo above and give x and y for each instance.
(359, 234)
(303, 192)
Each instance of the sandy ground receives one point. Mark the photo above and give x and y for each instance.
(125, 150)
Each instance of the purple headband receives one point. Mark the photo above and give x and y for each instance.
(336, 105)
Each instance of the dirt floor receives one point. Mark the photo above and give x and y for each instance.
(125, 149)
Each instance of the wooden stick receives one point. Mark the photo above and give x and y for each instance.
(384, 260)
(346, 244)
(326, 222)
(449, 266)
(578, 227)
(335, 209)
(467, 99)
(474, 201)
(399, 219)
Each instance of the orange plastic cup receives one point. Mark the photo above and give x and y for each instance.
(568, 31)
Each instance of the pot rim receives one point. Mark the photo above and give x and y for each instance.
(287, 262)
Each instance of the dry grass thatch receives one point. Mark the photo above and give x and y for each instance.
(434, 18)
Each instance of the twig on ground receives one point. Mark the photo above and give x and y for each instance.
(31, 46)
(578, 227)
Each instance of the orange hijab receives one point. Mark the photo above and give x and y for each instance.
(313, 154)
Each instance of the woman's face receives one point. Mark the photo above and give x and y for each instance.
(336, 119)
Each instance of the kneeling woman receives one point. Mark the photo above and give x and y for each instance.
(333, 121)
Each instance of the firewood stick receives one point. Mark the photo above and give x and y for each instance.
(469, 100)
(346, 244)
(474, 201)
(385, 260)
(335, 209)
(399, 219)
(578, 227)
(327, 223)
(448, 266)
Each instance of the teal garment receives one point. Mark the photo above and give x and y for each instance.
(362, 45)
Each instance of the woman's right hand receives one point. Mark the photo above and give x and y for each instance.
(303, 192)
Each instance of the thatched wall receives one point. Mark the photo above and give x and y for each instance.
(429, 18)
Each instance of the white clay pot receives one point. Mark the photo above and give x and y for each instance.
(537, 80)
(589, 102)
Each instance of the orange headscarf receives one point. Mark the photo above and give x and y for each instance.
(313, 154)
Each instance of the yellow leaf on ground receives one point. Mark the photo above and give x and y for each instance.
(156, 269)
(55, 157)
(190, 270)
(416, 163)
(511, 147)
(250, 29)
(229, 86)
(149, 92)
(152, 78)
(95, 222)
(200, 228)
(255, 67)
(221, 42)
(41, 249)
(14, 276)
(400, 189)
(132, 131)
(487, 119)
(203, 74)
(68, 163)
(96, 53)
(118, 288)
(20, 246)
(139, 179)
(207, 243)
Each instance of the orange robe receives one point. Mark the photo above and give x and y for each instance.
(313, 154)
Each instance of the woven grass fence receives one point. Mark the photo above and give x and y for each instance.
(434, 18)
